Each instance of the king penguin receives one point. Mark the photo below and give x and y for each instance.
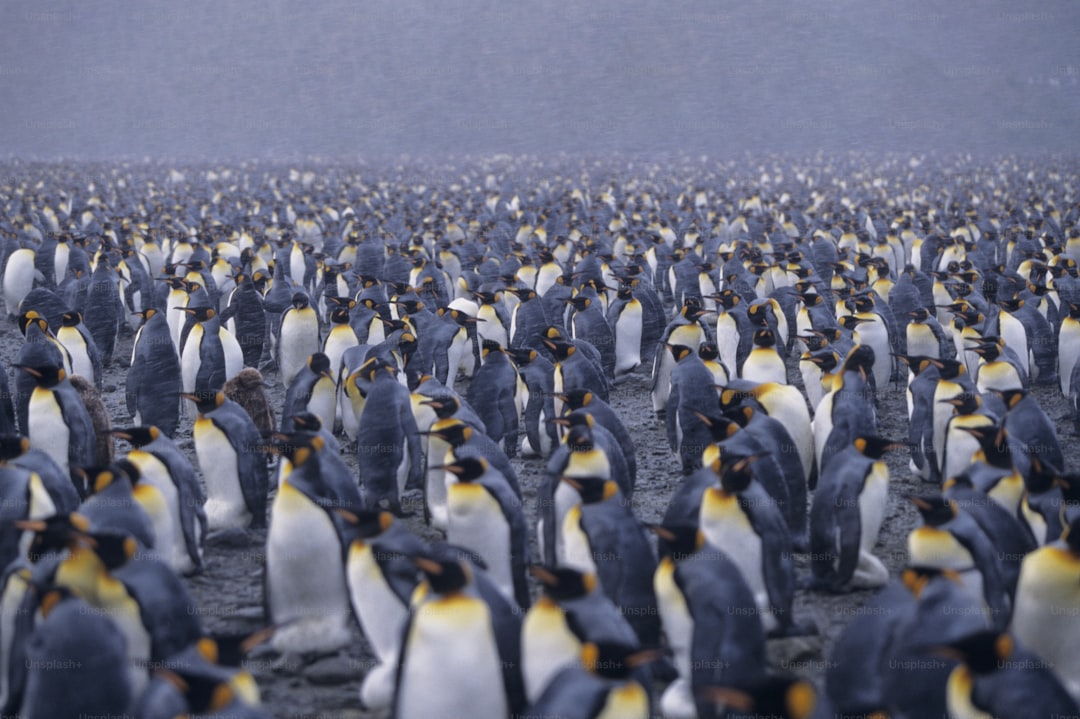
(154, 379)
(233, 461)
(85, 357)
(58, 422)
(298, 337)
(304, 579)
(846, 517)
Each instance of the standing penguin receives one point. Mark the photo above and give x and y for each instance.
(741, 519)
(102, 311)
(601, 684)
(847, 514)
(230, 452)
(39, 348)
(154, 379)
(245, 318)
(684, 330)
(209, 355)
(387, 441)
(587, 322)
(304, 580)
(709, 616)
(58, 422)
(381, 578)
(1047, 603)
(538, 374)
(492, 394)
(298, 337)
(486, 516)
(77, 340)
(77, 662)
(313, 390)
(161, 464)
(602, 535)
(453, 652)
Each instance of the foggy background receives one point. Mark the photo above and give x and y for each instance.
(340, 79)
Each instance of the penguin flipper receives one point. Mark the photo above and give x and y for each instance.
(133, 381)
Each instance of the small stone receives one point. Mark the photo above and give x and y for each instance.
(332, 670)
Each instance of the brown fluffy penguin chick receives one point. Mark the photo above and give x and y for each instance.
(104, 449)
(248, 389)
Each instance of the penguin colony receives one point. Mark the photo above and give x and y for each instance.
(771, 307)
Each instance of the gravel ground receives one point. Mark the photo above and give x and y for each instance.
(230, 597)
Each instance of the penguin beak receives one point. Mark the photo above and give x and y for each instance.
(187, 395)
(561, 421)
(120, 434)
(29, 370)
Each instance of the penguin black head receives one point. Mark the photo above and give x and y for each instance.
(204, 692)
(55, 533)
(593, 489)
(319, 363)
(455, 432)
(137, 436)
(860, 359)
(13, 445)
(949, 368)
(679, 352)
(708, 351)
(777, 696)
(735, 473)
(983, 652)
(32, 318)
(874, 447)
(994, 443)
(46, 376)
(307, 422)
(444, 407)
(446, 576)
(70, 319)
(965, 402)
(297, 447)
(488, 346)
(367, 523)
(764, 338)
(300, 300)
(563, 583)
(613, 660)
(678, 540)
(559, 347)
(339, 316)
(720, 426)
(916, 578)
(521, 356)
(577, 398)
(205, 400)
(201, 314)
(935, 510)
(467, 469)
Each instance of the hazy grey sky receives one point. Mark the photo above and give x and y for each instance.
(236, 78)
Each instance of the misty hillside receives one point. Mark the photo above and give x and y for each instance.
(251, 78)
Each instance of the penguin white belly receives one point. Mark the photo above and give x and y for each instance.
(960, 448)
(435, 482)
(162, 520)
(225, 507)
(823, 426)
(234, 356)
(491, 328)
(1068, 352)
(870, 572)
(305, 586)
(574, 549)
(48, 431)
(124, 611)
(732, 534)
(547, 646)
(455, 357)
(938, 548)
(352, 406)
(10, 603)
(323, 402)
(451, 665)
(675, 616)
(76, 349)
(299, 340)
(190, 359)
(764, 365)
(18, 279)
(156, 474)
(786, 404)
(337, 342)
(476, 522)
(727, 340)
(626, 701)
(380, 612)
(1047, 605)
(875, 335)
(1012, 331)
(921, 342)
(174, 316)
(811, 378)
(942, 413)
(628, 339)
